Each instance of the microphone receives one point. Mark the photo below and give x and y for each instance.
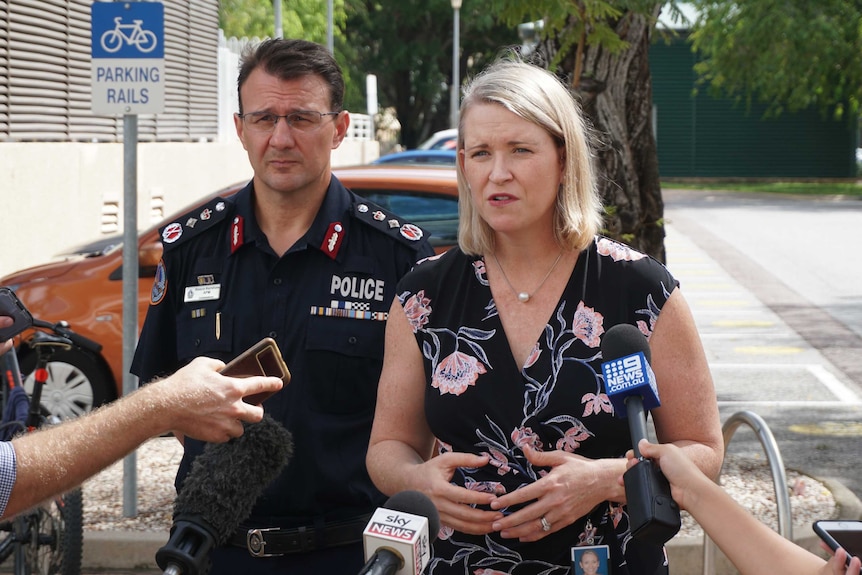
(219, 493)
(631, 386)
(398, 536)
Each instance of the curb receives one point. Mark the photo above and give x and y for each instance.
(128, 550)
(135, 551)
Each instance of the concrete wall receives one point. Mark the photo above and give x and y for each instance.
(56, 195)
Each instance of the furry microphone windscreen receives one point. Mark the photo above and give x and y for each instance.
(227, 478)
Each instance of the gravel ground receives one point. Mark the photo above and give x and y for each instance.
(748, 482)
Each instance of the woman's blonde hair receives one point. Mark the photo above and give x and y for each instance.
(537, 96)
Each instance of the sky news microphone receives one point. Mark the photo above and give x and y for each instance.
(631, 386)
(219, 493)
(398, 537)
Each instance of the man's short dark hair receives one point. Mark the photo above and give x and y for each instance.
(290, 59)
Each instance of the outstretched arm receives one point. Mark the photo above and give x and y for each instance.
(195, 401)
(753, 547)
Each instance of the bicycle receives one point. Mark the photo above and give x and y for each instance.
(48, 538)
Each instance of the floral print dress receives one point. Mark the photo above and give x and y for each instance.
(478, 400)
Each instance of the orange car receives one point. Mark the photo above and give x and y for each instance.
(85, 288)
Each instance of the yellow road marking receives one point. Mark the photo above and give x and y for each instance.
(768, 350)
(833, 428)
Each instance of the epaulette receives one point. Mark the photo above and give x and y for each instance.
(389, 223)
(194, 222)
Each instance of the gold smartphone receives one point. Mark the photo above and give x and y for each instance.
(263, 358)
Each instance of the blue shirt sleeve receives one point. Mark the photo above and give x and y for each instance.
(8, 472)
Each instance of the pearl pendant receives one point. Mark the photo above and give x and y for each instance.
(523, 297)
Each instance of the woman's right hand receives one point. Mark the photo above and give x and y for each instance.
(456, 505)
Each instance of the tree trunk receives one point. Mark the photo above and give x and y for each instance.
(615, 91)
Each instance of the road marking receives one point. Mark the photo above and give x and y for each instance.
(742, 323)
(845, 395)
(768, 350)
(831, 428)
(840, 390)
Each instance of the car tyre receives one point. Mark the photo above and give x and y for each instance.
(77, 383)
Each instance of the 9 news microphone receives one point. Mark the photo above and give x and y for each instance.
(631, 386)
(398, 537)
(219, 493)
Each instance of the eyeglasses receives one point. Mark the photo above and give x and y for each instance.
(303, 121)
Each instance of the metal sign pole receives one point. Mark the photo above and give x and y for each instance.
(128, 77)
(130, 292)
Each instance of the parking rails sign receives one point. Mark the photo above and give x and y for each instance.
(128, 57)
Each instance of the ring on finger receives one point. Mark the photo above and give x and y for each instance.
(546, 525)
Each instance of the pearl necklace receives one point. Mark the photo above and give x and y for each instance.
(523, 296)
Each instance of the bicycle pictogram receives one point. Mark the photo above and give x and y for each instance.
(129, 34)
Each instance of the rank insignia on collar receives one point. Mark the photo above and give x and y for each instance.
(332, 239)
(236, 237)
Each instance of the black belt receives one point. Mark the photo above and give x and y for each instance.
(273, 541)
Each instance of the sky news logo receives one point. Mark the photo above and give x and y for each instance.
(392, 532)
(625, 372)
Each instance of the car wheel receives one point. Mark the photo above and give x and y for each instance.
(76, 383)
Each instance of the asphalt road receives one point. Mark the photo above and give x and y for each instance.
(775, 284)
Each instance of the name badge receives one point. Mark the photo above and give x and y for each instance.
(202, 293)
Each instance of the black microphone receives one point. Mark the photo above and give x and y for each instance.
(398, 536)
(631, 386)
(219, 493)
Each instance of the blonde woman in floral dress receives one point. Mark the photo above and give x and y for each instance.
(491, 400)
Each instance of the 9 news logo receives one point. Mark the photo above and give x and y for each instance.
(623, 373)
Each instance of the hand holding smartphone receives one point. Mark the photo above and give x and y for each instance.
(263, 358)
(11, 306)
(846, 533)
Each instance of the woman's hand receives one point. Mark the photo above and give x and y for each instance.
(573, 487)
(456, 505)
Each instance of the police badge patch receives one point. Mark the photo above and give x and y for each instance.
(160, 284)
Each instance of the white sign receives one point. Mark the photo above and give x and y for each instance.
(128, 57)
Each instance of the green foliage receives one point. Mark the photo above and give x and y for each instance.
(796, 188)
(788, 54)
(408, 45)
(573, 22)
(305, 19)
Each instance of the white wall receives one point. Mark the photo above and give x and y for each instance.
(56, 195)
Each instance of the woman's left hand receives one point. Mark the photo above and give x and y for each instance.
(573, 487)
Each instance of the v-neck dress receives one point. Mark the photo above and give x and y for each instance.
(477, 400)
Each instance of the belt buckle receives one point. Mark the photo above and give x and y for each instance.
(256, 543)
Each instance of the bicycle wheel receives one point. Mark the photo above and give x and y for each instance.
(112, 41)
(56, 540)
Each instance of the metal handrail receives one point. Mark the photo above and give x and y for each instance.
(779, 481)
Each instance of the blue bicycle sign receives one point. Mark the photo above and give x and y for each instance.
(127, 30)
(127, 68)
(130, 34)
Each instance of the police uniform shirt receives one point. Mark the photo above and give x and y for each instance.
(220, 288)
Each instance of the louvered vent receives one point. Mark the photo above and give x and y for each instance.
(45, 74)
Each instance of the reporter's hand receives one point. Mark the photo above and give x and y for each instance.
(5, 321)
(206, 405)
(836, 563)
(456, 505)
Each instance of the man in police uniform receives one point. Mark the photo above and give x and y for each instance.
(296, 257)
